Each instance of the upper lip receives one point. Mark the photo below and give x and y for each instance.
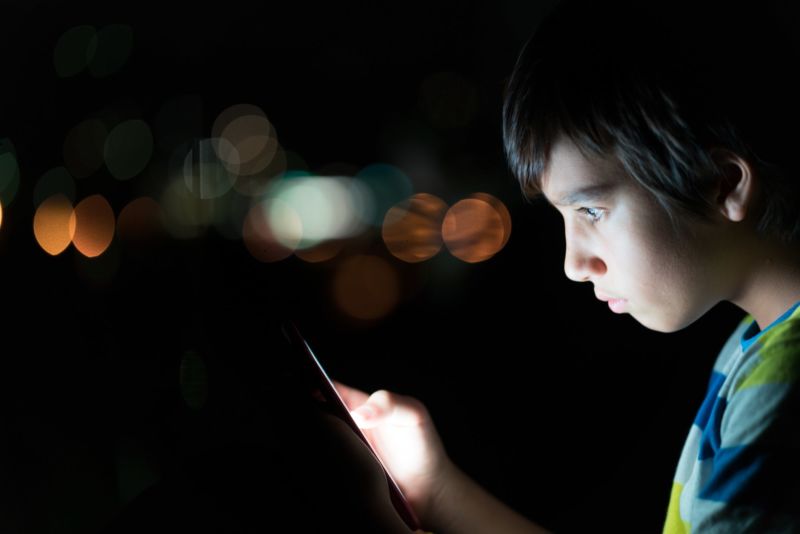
(605, 298)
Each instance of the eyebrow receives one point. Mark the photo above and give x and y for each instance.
(589, 192)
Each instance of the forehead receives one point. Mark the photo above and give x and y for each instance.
(572, 176)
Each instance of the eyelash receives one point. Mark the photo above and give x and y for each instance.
(594, 219)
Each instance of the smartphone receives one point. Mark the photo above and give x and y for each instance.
(324, 392)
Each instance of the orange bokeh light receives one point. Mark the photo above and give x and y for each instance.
(140, 220)
(366, 287)
(323, 251)
(502, 210)
(473, 230)
(94, 226)
(412, 230)
(260, 239)
(54, 224)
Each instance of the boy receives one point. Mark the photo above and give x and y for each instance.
(658, 137)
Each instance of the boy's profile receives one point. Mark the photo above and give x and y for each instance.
(664, 136)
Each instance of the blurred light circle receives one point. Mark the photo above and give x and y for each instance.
(284, 222)
(112, 46)
(128, 149)
(258, 184)
(323, 251)
(83, 148)
(204, 173)
(54, 224)
(259, 237)
(323, 205)
(94, 226)
(366, 287)
(473, 230)
(502, 210)
(412, 230)
(72, 51)
(142, 219)
(56, 180)
(255, 143)
(234, 112)
(185, 215)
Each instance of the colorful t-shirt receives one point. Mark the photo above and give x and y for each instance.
(739, 470)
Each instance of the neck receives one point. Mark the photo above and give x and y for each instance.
(772, 284)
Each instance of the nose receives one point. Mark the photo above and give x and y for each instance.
(580, 263)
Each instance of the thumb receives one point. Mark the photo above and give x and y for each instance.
(385, 406)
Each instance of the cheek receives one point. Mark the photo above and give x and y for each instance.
(647, 266)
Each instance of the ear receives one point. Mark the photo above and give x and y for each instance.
(734, 189)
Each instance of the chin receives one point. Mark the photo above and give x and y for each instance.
(665, 325)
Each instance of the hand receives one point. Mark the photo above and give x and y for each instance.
(402, 433)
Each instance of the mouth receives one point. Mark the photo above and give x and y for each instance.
(617, 305)
(605, 298)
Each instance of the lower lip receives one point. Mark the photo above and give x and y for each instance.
(617, 305)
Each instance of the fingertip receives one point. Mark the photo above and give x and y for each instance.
(365, 416)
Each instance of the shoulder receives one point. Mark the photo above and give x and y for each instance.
(762, 392)
(774, 358)
(732, 344)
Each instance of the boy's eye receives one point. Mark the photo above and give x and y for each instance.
(593, 214)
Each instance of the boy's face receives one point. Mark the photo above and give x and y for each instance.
(630, 251)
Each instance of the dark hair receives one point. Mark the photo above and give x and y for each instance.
(659, 90)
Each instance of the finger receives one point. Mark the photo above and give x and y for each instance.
(387, 407)
(352, 397)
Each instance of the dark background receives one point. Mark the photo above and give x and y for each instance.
(569, 413)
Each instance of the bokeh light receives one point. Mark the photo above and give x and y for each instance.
(185, 215)
(141, 220)
(109, 49)
(204, 172)
(94, 226)
(448, 99)
(473, 230)
(72, 51)
(56, 180)
(324, 251)
(258, 184)
(412, 230)
(387, 186)
(128, 149)
(83, 148)
(324, 205)
(254, 141)
(502, 210)
(260, 237)
(247, 129)
(366, 287)
(9, 172)
(54, 224)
